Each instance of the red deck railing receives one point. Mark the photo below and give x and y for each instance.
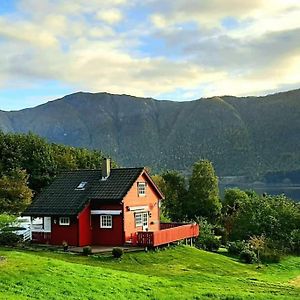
(170, 232)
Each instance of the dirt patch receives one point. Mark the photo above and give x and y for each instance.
(2, 258)
(296, 281)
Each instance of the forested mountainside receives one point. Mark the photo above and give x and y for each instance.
(240, 135)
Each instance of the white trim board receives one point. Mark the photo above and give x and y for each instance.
(138, 208)
(106, 212)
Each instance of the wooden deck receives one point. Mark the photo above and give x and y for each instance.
(168, 233)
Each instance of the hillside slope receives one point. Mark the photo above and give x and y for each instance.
(178, 273)
(242, 136)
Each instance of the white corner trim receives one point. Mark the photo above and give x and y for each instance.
(106, 212)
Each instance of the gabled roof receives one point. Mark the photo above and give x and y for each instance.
(63, 197)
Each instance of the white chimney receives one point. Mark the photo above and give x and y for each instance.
(105, 168)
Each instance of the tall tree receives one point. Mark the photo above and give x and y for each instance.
(233, 199)
(15, 195)
(172, 184)
(203, 197)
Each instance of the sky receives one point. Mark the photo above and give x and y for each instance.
(166, 49)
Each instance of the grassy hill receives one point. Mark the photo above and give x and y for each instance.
(176, 273)
(240, 135)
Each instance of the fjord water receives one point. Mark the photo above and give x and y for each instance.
(291, 191)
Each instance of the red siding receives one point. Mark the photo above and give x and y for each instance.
(41, 237)
(151, 199)
(61, 233)
(108, 236)
(85, 227)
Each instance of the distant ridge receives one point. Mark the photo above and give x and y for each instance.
(241, 135)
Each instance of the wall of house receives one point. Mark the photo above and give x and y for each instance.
(151, 199)
(62, 233)
(107, 236)
(85, 227)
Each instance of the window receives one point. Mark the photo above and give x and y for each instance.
(141, 219)
(37, 223)
(81, 186)
(142, 188)
(64, 221)
(106, 221)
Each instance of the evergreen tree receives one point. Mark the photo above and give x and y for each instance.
(203, 197)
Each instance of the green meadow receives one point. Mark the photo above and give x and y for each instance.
(175, 273)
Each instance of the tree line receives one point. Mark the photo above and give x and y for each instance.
(241, 217)
(29, 163)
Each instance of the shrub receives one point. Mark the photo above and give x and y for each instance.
(6, 220)
(270, 256)
(235, 248)
(117, 252)
(221, 232)
(295, 241)
(87, 250)
(8, 238)
(248, 256)
(208, 242)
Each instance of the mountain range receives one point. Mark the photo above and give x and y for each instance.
(242, 136)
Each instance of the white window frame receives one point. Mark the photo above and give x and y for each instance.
(142, 189)
(141, 219)
(81, 186)
(64, 221)
(106, 221)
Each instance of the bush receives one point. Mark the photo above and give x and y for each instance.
(235, 248)
(87, 250)
(270, 256)
(6, 220)
(295, 241)
(208, 242)
(248, 256)
(221, 232)
(117, 252)
(8, 238)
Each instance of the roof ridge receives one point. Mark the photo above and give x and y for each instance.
(78, 170)
(129, 168)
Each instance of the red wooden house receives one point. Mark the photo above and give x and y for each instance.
(109, 207)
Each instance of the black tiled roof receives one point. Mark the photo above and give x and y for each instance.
(62, 197)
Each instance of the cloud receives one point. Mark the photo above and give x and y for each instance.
(151, 47)
(111, 16)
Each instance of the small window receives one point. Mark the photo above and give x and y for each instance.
(37, 223)
(64, 221)
(141, 219)
(142, 188)
(81, 185)
(106, 221)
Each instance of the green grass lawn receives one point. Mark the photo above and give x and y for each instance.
(175, 273)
